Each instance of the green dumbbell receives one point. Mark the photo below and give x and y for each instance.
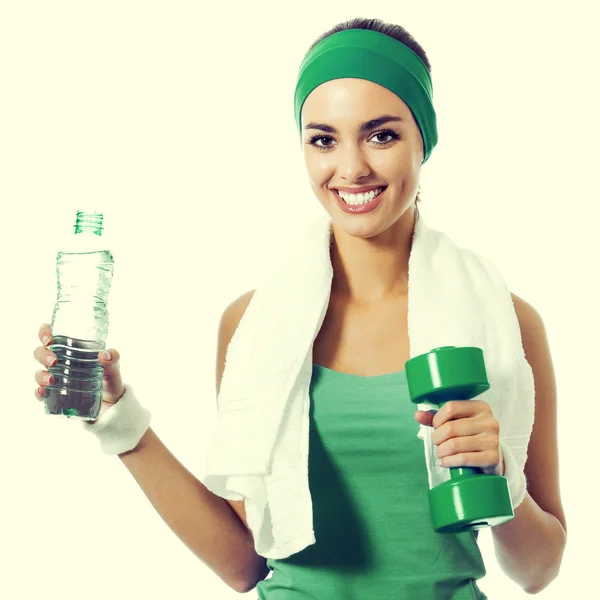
(471, 499)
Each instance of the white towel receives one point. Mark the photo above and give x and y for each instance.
(259, 450)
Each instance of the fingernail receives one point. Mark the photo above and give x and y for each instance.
(45, 340)
(106, 355)
(50, 359)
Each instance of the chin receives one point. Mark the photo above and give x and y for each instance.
(369, 225)
(365, 229)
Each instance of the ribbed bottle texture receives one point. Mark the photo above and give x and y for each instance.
(80, 322)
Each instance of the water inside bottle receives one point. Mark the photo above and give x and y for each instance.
(78, 374)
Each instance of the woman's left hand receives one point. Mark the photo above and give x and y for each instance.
(466, 434)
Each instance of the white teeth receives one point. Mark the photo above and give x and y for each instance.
(357, 199)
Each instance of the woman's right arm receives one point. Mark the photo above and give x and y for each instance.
(204, 522)
(211, 527)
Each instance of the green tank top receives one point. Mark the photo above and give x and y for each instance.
(368, 483)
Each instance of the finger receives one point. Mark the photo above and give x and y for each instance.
(424, 417)
(480, 442)
(488, 459)
(45, 334)
(458, 409)
(45, 356)
(39, 393)
(110, 360)
(465, 426)
(113, 382)
(43, 378)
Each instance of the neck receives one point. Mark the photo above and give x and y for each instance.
(373, 269)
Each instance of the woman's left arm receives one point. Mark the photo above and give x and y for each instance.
(529, 548)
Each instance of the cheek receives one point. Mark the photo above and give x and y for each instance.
(416, 145)
(409, 163)
(396, 166)
(318, 167)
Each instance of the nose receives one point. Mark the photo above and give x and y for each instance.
(352, 163)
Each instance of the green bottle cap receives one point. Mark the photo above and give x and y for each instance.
(88, 222)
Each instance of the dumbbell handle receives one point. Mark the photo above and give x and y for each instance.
(458, 473)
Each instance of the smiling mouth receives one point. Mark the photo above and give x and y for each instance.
(357, 200)
(362, 204)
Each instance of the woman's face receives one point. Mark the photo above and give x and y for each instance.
(338, 154)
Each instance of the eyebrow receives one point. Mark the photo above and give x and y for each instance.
(364, 127)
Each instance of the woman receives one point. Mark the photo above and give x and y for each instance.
(363, 149)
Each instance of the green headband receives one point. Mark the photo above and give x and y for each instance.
(376, 57)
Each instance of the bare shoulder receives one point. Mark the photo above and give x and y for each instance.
(541, 468)
(530, 320)
(230, 319)
(234, 311)
(233, 314)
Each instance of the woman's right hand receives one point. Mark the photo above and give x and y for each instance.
(112, 383)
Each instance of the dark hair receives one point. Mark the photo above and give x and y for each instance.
(396, 32)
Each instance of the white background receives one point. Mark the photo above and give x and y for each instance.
(177, 121)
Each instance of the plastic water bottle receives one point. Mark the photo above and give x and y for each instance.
(84, 273)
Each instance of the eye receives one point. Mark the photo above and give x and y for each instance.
(386, 132)
(315, 138)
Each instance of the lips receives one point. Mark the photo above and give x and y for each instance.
(362, 208)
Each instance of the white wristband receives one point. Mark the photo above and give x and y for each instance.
(122, 426)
